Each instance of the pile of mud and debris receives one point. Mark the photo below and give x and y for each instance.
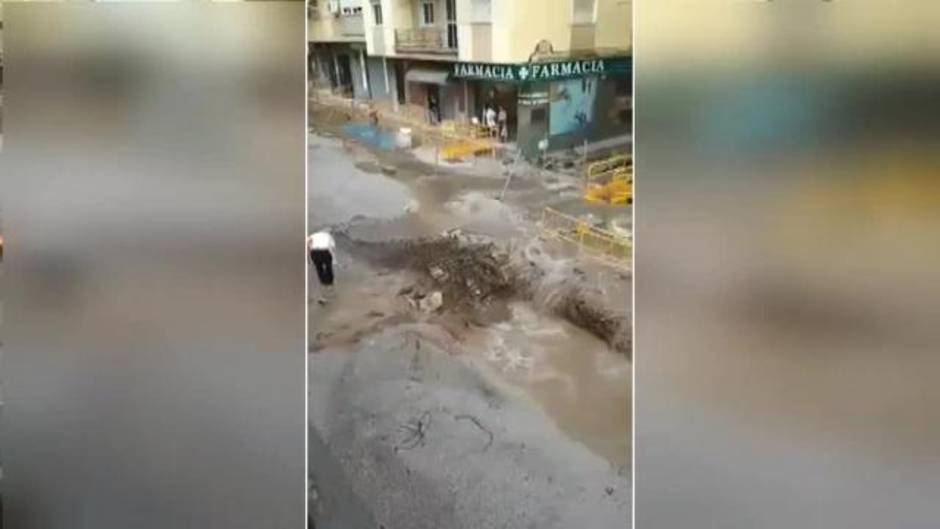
(469, 275)
(473, 277)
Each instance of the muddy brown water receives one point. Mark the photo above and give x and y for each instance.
(582, 384)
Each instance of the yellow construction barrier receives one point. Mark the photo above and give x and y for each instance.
(617, 190)
(464, 148)
(601, 244)
(610, 181)
(460, 140)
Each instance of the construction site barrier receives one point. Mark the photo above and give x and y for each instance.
(454, 139)
(603, 245)
(610, 180)
(602, 170)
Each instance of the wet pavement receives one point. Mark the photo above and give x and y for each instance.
(338, 191)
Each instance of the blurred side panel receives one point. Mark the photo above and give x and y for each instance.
(788, 206)
(153, 193)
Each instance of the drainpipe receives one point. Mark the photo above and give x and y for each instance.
(365, 72)
(338, 77)
(466, 101)
(406, 84)
(388, 83)
(385, 71)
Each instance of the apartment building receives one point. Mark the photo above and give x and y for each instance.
(560, 68)
(337, 47)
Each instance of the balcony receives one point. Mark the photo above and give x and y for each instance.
(352, 25)
(423, 41)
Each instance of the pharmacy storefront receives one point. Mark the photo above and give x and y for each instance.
(558, 103)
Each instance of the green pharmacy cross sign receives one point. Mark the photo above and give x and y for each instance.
(541, 71)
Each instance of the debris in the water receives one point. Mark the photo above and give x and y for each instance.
(473, 275)
(437, 273)
(432, 302)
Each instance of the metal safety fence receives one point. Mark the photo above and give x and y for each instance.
(590, 241)
(610, 180)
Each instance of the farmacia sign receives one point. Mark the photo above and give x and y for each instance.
(539, 71)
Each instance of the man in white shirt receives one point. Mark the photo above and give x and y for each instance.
(489, 116)
(322, 247)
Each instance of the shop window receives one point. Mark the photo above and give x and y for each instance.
(377, 12)
(587, 85)
(427, 13)
(584, 11)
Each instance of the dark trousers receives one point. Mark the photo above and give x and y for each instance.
(323, 262)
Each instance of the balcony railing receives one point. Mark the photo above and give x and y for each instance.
(423, 40)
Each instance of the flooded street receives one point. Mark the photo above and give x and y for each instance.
(523, 382)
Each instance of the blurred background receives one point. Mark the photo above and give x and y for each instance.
(153, 202)
(786, 358)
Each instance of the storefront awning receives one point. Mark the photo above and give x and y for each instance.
(419, 75)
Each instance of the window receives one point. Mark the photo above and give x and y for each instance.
(377, 12)
(427, 13)
(451, 14)
(481, 10)
(584, 11)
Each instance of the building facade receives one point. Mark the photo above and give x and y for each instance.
(336, 47)
(560, 68)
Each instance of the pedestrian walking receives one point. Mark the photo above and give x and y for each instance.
(322, 248)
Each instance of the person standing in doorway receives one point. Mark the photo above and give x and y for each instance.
(490, 119)
(322, 248)
(502, 119)
(434, 115)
